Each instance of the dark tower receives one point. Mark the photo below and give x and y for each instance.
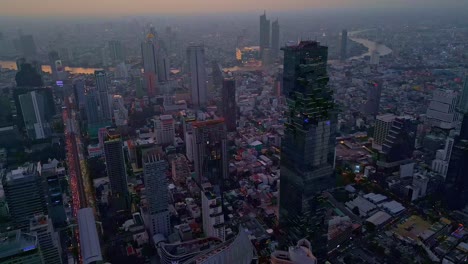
(275, 31)
(374, 92)
(308, 145)
(229, 104)
(344, 44)
(264, 33)
(116, 171)
(456, 182)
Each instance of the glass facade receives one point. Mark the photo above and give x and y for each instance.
(308, 146)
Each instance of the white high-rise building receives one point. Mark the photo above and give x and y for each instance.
(212, 213)
(197, 71)
(441, 162)
(382, 126)
(120, 112)
(33, 106)
(104, 100)
(41, 226)
(165, 129)
(154, 171)
(442, 109)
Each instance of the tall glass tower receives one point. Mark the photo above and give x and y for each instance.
(264, 33)
(308, 145)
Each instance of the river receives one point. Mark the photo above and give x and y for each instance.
(46, 68)
(370, 45)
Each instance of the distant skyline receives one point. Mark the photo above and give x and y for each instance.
(145, 7)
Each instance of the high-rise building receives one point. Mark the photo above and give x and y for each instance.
(41, 227)
(308, 144)
(155, 60)
(344, 45)
(91, 107)
(275, 36)
(441, 163)
(382, 126)
(90, 248)
(104, 104)
(228, 95)
(52, 176)
(463, 104)
(19, 247)
(441, 112)
(120, 112)
(374, 92)
(399, 143)
(210, 154)
(79, 93)
(116, 171)
(34, 112)
(197, 71)
(264, 33)
(165, 129)
(28, 47)
(456, 182)
(212, 213)
(24, 194)
(116, 49)
(155, 170)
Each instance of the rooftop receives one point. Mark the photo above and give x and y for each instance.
(27, 170)
(16, 242)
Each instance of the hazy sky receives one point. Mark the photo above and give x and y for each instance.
(125, 7)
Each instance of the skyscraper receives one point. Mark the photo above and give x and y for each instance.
(104, 104)
(155, 169)
(210, 154)
(91, 107)
(382, 126)
(34, 113)
(165, 130)
(374, 92)
(28, 47)
(197, 71)
(155, 60)
(441, 111)
(150, 64)
(308, 145)
(41, 226)
(463, 103)
(24, 194)
(275, 35)
(264, 33)
(228, 94)
(212, 213)
(79, 93)
(344, 45)
(116, 50)
(456, 182)
(399, 143)
(52, 176)
(116, 171)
